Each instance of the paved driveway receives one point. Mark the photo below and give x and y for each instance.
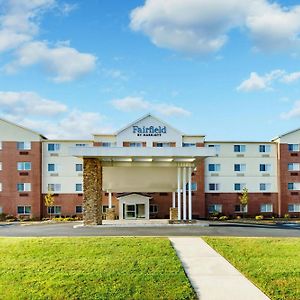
(215, 229)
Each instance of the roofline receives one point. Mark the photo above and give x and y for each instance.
(144, 117)
(240, 142)
(286, 133)
(58, 140)
(25, 128)
(194, 135)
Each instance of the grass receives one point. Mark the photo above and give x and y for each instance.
(272, 264)
(91, 268)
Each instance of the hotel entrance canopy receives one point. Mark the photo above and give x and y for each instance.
(142, 169)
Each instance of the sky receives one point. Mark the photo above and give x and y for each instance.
(228, 69)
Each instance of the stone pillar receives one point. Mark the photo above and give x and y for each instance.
(173, 213)
(92, 186)
(110, 214)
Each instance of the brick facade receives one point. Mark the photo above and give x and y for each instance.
(10, 198)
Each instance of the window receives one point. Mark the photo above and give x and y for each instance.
(214, 167)
(294, 167)
(293, 147)
(294, 207)
(153, 208)
(264, 148)
(216, 147)
(53, 147)
(24, 166)
(78, 187)
(23, 187)
(106, 144)
(135, 144)
(264, 167)
(241, 208)
(267, 208)
(193, 186)
(160, 144)
(0, 145)
(294, 186)
(215, 208)
(0, 166)
(54, 187)
(239, 148)
(78, 167)
(52, 168)
(24, 210)
(78, 209)
(239, 186)
(188, 145)
(23, 145)
(239, 167)
(54, 210)
(265, 186)
(0, 186)
(214, 186)
(81, 145)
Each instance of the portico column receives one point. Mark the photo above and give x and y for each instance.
(109, 200)
(190, 193)
(184, 192)
(179, 193)
(92, 196)
(173, 200)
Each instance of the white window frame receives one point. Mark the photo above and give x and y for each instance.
(242, 167)
(78, 165)
(216, 147)
(242, 148)
(266, 208)
(296, 207)
(293, 167)
(267, 167)
(294, 147)
(242, 186)
(56, 147)
(216, 167)
(266, 185)
(77, 185)
(296, 186)
(216, 187)
(54, 187)
(0, 165)
(55, 168)
(264, 148)
(0, 186)
(24, 166)
(216, 208)
(26, 187)
(24, 209)
(55, 208)
(23, 145)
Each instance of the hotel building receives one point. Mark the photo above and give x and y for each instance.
(146, 170)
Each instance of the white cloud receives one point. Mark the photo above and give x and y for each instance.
(264, 82)
(64, 62)
(203, 26)
(289, 78)
(19, 28)
(50, 117)
(293, 113)
(19, 22)
(129, 104)
(29, 103)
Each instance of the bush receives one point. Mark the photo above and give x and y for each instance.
(2, 217)
(260, 217)
(286, 216)
(238, 217)
(223, 218)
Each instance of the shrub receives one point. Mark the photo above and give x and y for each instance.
(2, 217)
(238, 217)
(260, 217)
(223, 218)
(286, 216)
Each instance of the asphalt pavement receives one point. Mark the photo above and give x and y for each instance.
(210, 229)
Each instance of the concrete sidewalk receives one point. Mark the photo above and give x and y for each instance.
(211, 275)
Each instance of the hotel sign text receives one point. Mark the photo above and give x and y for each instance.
(149, 131)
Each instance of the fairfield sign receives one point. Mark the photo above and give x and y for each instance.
(149, 131)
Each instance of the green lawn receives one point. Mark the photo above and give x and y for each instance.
(91, 268)
(272, 264)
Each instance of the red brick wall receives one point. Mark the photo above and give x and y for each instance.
(229, 200)
(285, 176)
(10, 198)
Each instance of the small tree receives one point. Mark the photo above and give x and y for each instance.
(49, 201)
(244, 198)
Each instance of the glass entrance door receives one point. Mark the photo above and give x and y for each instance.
(140, 211)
